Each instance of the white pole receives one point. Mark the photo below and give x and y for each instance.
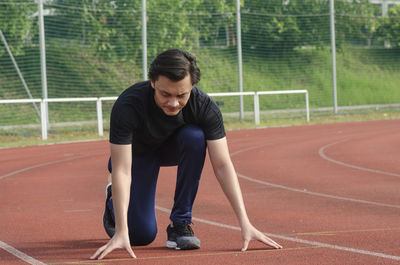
(333, 45)
(43, 117)
(43, 59)
(256, 109)
(99, 117)
(307, 107)
(384, 8)
(239, 50)
(384, 14)
(144, 39)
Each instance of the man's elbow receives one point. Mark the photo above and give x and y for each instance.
(221, 169)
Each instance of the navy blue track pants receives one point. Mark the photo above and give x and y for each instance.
(187, 149)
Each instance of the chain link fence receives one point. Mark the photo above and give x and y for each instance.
(94, 49)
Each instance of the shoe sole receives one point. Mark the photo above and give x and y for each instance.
(171, 244)
(184, 243)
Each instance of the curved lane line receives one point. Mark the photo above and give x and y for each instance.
(17, 253)
(303, 190)
(45, 164)
(250, 148)
(317, 193)
(293, 239)
(322, 154)
(31, 260)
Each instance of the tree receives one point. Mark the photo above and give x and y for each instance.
(356, 21)
(114, 29)
(390, 28)
(283, 25)
(18, 24)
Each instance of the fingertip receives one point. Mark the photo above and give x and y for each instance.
(102, 256)
(245, 245)
(130, 251)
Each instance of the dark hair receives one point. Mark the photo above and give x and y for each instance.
(175, 64)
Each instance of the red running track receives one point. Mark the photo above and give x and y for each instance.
(330, 194)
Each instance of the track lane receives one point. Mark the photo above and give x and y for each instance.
(90, 170)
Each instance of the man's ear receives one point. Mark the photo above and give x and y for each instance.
(152, 84)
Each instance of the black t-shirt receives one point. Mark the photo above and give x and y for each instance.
(137, 120)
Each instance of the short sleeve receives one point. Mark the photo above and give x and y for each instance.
(212, 121)
(123, 123)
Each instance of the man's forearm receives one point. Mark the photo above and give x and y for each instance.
(228, 180)
(121, 195)
(121, 160)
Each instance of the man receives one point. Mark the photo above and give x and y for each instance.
(163, 122)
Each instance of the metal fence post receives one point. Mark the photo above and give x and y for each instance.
(99, 117)
(333, 44)
(43, 118)
(256, 109)
(307, 107)
(144, 39)
(43, 58)
(239, 51)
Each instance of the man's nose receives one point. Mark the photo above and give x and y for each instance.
(173, 102)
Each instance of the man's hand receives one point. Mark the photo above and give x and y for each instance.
(120, 240)
(121, 182)
(227, 177)
(249, 233)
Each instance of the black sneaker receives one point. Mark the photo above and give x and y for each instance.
(181, 236)
(108, 219)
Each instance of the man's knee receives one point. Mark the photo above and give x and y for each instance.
(192, 136)
(142, 237)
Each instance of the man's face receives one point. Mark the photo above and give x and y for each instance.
(171, 96)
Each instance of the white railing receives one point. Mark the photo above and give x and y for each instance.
(99, 100)
(256, 99)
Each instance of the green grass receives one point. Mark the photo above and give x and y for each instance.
(364, 76)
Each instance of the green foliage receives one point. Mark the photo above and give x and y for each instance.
(357, 21)
(109, 28)
(94, 47)
(114, 29)
(284, 25)
(390, 29)
(18, 24)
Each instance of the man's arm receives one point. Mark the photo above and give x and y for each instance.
(121, 159)
(227, 177)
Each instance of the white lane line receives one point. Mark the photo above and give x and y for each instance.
(78, 211)
(317, 193)
(250, 148)
(44, 164)
(303, 190)
(293, 239)
(11, 249)
(19, 254)
(322, 154)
